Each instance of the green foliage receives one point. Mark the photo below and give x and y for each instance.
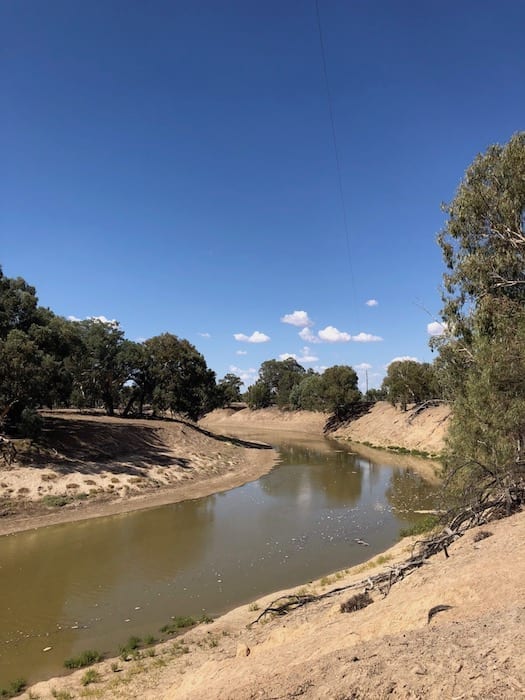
(14, 688)
(229, 390)
(483, 240)
(56, 501)
(279, 377)
(482, 353)
(90, 676)
(178, 623)
(426, 524)
(182, 381)
(408, 381)
(375, 395)
(339, 389)
(30, 425)
(259, 395)
(86, 658)
(308, 394)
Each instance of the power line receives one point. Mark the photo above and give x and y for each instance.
(336, 149)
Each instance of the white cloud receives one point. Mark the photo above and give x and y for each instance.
(308, 337)
(372, 302)
(73, 318)
(330, 334)
(255, 337)
(248, 376)
(298, 318)
(241, 352)
(436, 328)
(205, 335)
(363, 366)
(304, 358)
(365, 338)
(402, 359)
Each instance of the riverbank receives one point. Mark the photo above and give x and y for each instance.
(387, 427)
(90, 466)
(471, 647)
(383, 427)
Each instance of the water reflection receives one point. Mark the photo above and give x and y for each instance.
(94, 583)
(332, 478)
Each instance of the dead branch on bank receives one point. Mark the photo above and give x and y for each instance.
(492, 508)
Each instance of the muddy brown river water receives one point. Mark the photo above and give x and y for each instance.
(92, 584)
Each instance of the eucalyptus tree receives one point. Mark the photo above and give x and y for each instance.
(483, 244)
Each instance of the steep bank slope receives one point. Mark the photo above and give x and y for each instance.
(266, 419)
(382, 426)
(386, 426)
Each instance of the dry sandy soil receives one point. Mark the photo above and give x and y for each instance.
(474, 649)
(386, 426)
(95, 465)
(383, 426)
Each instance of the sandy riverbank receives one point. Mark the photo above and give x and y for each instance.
(91, 466)
(472, 649)
(383, 426)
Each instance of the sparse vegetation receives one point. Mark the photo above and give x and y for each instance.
(178, 623)
(86, 658)
(425, 525)
(90, 676)
(13, 689)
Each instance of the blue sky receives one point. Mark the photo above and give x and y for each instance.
(170, 165)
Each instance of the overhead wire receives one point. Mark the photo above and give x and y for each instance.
(336, 149)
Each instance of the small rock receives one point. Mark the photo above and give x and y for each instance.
(419, 670)
(242, 650)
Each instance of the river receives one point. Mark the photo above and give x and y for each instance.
(92, 584)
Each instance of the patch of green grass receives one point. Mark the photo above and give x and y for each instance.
(178, 623)
(150, 639)
(425, 525)
(86, 658)
(14, 688)
(253, 607)
(131, 648)
(206, 619)
(90, 676)
(56, 501)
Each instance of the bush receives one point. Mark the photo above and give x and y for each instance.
(31, 423)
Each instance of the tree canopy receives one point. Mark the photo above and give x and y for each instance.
(482, 351)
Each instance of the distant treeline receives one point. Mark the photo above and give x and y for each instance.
(48, 361)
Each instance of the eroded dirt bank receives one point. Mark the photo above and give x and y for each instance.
(383, 426)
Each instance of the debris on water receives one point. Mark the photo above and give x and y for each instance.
(137, 607)
(365, 544)
(47, 649)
